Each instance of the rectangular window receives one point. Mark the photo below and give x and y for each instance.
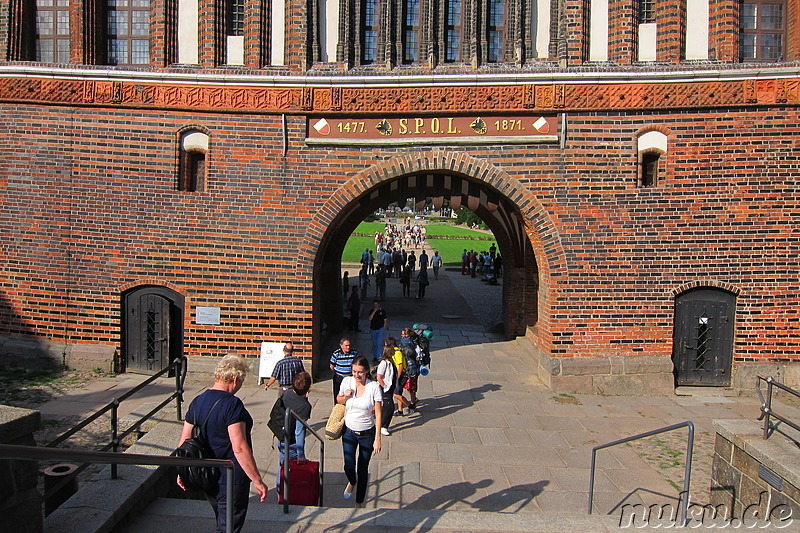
(453, 31)
(647, 11)
(235, 25)
(496, 30)
(411, 29)
(762, 30)
(369, 31)
(52, 31)
(128, 25)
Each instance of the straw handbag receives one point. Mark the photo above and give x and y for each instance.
(335, 425)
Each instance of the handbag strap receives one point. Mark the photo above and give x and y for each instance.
(201, 428)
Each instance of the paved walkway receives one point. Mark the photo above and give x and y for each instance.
(488, 435)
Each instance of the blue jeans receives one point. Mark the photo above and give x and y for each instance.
(296, 450)
(219, 502)
(377, 342)
(358, 472)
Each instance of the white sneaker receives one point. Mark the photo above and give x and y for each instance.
(385, 431)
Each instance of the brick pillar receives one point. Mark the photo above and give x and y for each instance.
(575, 32)
(622, 32)
(792, 20)
(298, 38)
(723, 31)
(211, 39)
(256, 35)
(20, 501)
(671, 30)
(163, 33)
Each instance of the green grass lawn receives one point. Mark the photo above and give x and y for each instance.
(450, 249)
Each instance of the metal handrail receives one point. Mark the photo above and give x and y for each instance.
(286, 440)
(179, 364)
(684, 498)
(35, 453)
(766, 405)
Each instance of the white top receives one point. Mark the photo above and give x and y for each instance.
(386, 369)
(360, 411)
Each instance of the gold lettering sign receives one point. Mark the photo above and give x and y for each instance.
(432, 130)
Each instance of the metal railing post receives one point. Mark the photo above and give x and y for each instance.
(768, 409)
(684, 498)
(687, 475)
(229, 502)
(768, 413)
(286, 455)
(181, 366)
(114, 433)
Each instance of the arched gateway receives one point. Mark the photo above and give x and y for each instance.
(524, 232)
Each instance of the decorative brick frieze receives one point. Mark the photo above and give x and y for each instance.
(417, 99)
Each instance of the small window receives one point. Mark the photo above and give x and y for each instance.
(648, 170)
(235, 19)
(762, 28)
(651, 146)
(647, 12)
(192, 171)
(193, 168)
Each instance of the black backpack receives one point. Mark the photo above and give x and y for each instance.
(203, 478)
(412, 367)
(277, 417)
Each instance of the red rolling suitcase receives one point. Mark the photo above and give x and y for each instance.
(303, 483)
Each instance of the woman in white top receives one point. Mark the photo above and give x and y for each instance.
(362, 399)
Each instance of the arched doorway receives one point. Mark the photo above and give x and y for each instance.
(702, 347)
(152, 328)
(519, 223)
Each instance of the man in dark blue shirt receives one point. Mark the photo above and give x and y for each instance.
(286, 369)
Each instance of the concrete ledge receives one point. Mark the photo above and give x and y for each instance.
(777, 453)
(744, 375)
(609, 375)
(104, 502)
(43, 353)
(740, 457)
(16, 422)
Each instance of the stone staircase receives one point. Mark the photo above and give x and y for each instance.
(178, 516)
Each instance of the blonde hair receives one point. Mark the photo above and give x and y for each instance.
(230, 368)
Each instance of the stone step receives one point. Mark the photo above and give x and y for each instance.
(179, 516)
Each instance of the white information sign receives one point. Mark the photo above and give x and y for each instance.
(271, 353)
(207, 315)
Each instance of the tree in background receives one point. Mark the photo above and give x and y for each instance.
(467, 217)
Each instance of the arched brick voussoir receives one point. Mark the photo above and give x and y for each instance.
(528, 205)
(153, 282)
(706, 283)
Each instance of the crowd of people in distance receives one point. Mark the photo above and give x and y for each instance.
(488, 265)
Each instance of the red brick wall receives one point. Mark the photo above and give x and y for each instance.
(90, 208)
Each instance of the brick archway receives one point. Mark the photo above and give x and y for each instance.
(531, 247)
